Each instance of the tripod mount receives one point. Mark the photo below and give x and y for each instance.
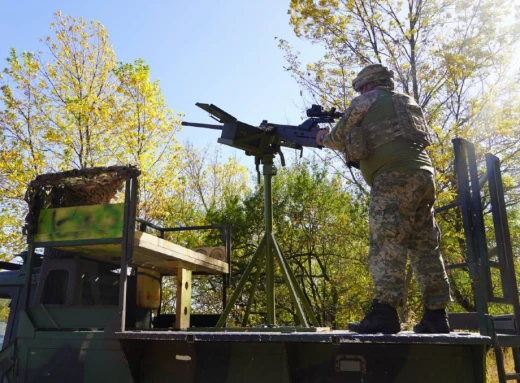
(266, 255)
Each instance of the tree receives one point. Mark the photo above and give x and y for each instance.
(451, 56)
(313, 214)
(323, 231)
(20, 141)
(78, 93)
(54, 114)
(72, 106)
(147, 137)
(210, 180)
(212, 194)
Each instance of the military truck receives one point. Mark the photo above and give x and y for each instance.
(85, 303)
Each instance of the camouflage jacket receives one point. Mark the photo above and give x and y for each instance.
(398, 116)
(353, 117)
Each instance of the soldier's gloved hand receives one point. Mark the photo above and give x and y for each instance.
(320, 135)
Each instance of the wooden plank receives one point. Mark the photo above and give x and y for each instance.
(149, 241)
(215, 252)
(148, 289)
(159, 248)
(80, 222)
(153, 253)
(183, 305)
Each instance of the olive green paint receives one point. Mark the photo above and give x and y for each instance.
(72, 317)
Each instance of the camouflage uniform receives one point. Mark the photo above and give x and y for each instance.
(401, 216)
(402, 224)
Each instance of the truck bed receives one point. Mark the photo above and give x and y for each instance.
(304, 357)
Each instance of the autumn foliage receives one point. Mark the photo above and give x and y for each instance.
(73, 105)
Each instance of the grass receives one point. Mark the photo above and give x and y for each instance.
(491, 365)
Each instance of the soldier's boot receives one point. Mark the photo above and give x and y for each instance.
(381, 318)
(433, 322)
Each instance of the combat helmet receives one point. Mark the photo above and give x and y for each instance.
(374, 73)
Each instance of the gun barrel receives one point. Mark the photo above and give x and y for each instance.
(199, 125)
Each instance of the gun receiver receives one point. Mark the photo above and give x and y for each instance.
(267, 137)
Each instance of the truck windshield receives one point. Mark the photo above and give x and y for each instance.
(5, 304)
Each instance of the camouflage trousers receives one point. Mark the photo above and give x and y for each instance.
(402, 225)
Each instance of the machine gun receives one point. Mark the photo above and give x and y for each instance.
(264, 142)
(267, 138)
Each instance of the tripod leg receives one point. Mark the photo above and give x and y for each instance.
(289, 282)
(222, 320)
(252, 292)
(269, 283)
(293, 285)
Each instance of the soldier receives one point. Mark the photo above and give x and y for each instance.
(384, 134)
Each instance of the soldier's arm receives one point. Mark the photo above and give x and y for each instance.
(353, 117)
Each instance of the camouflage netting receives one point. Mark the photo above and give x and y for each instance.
(82, 187)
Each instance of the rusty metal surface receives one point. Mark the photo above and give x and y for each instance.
(335, 337)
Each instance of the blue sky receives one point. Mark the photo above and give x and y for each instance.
(220, 52)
